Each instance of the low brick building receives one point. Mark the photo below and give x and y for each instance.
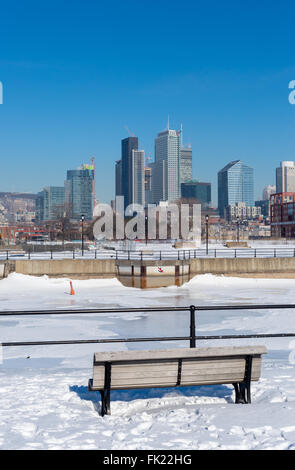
(282, 215)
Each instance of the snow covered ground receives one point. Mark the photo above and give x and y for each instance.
(44, 400)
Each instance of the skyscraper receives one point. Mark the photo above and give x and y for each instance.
(130, 173)
(186, 173)
(235, 184)
(127, 145)
(79, 192)
(118, 173)
(166, 168)
(285, 177)
(147, 185)
(138, 175)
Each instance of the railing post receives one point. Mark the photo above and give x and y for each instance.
(7, 255)
(95, 254)
(29, 254)
(141, 255)
(129, 254)
(192, 326)
(215, 253)
(51, 254)
(178, 255)
(73, 254)
(235, 253)
(160, 255)
(255, 253)
(274, 253)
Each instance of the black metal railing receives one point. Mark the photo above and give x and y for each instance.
(192, 338)
(173, 254)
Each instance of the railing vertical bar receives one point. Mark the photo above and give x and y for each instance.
(192, 326)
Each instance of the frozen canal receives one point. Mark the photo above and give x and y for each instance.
(44, 401)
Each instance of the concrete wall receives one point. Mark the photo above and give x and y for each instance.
(242, 265)
(109, 268)
(67, 267)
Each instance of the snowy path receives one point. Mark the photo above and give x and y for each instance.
(45, 403)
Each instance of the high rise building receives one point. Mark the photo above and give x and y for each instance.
(235, 184)
(186, 172)
(79, 192)
(158, 192)
(285, 177)
(138, 175)
(50, 203)
(148, 185)
(197, 190)
(127, 146)
(130, 173)
(166, 168)
(118, 172)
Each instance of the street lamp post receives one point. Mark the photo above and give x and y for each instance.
(238, 230)
(82, 221)
(146, 228)
(207, 220)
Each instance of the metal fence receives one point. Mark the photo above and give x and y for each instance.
(192, 310)
(147, 254)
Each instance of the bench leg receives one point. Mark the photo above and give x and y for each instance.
(243, 392)
(105, 402)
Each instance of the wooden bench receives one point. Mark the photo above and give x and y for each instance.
(123, 370)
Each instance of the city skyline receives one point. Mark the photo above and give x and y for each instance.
(73, 97)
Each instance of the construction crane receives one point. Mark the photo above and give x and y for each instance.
(131, 135)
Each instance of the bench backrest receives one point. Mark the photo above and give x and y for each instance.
(183, 366)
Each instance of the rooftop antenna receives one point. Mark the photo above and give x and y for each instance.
(168, 123)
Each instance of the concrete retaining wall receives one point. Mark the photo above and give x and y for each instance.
(242, 265)
(67, 267)
(110, 268)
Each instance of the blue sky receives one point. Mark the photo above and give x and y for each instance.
(76, 73)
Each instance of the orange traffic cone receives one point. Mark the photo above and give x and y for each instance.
(72, 290)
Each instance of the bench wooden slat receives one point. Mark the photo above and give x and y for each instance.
(195, 373)
(113, 356)
(159, 370)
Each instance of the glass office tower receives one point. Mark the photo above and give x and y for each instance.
(235, 184)
(186, 158)
(127, 145)
(166, 168)
(50, 203)
(79, 192)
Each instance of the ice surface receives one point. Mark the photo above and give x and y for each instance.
(44, 400)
